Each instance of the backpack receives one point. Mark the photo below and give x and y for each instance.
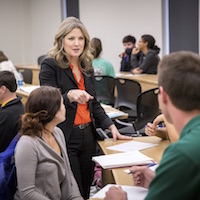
(8, 182)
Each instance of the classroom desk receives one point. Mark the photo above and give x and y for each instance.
(24, 95)
(110, 109)
(35, 69)
(118, 176)
(147, 81)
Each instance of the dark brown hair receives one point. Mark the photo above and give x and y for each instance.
(7, 79)
(2, 57)
(129, 38)
(151, 42)
(96, 47)
(42, 105)
(178, 74)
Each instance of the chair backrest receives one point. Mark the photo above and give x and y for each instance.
(27, 75)
(127, 93)
(105, 88)
(147, 108)
(40, 59)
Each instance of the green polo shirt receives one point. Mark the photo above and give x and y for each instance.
(178, 175)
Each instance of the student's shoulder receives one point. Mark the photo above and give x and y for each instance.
(106, 62)
(59, 133)
(58, 130)
(26, 141)
(184, 148)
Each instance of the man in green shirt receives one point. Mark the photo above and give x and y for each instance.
(178, 175)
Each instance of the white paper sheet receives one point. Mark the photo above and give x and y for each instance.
(29, 89)
(133, 192)
(129, 75)
(131, 146)
(122, 160)
(113, 114)
(105, 106)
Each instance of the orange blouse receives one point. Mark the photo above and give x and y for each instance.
(82, 112)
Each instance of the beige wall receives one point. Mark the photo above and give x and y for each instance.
(111, 20)
(28, 28)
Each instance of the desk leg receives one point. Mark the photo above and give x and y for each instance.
(107, 177)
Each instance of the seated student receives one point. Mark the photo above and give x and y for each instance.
(145, 57)
(11, 109)
(42, 164)
(177, 176)
(167, 132)
(101, 66)
(6, 64)
(129, 43)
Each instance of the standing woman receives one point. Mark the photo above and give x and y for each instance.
(69, 67)
(43, 168)
(145, 57)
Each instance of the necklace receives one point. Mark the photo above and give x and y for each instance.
(48, 130)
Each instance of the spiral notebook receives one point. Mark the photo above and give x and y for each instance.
(118, 160)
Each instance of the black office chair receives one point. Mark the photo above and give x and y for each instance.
(40, 59)
(27, 75)
(105, 88)
(147, 111)
(127, 93)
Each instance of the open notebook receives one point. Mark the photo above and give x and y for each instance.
(118, 160)
(133, 192)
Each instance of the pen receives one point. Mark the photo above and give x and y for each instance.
(149, 165)
(160, 125)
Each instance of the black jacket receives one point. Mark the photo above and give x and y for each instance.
(10, 121)
(51, 74)
(148, 63)
(126, 62)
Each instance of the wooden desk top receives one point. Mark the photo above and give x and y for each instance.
(120, 177)
(110, 109)
(32, 67)
(147, 78)
(21, 93)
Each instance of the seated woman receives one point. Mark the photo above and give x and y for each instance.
(101, 66)
(145, 57)
(166, 132)
(43, 169)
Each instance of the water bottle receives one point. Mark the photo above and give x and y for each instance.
(20, 79)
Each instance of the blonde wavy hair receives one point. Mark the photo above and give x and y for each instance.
(58, 53)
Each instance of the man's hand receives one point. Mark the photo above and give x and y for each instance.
(115, 193)
(142, 176)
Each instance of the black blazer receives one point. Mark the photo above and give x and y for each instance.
(51, 74)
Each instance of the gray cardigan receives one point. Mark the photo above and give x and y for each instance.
(42, 173)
